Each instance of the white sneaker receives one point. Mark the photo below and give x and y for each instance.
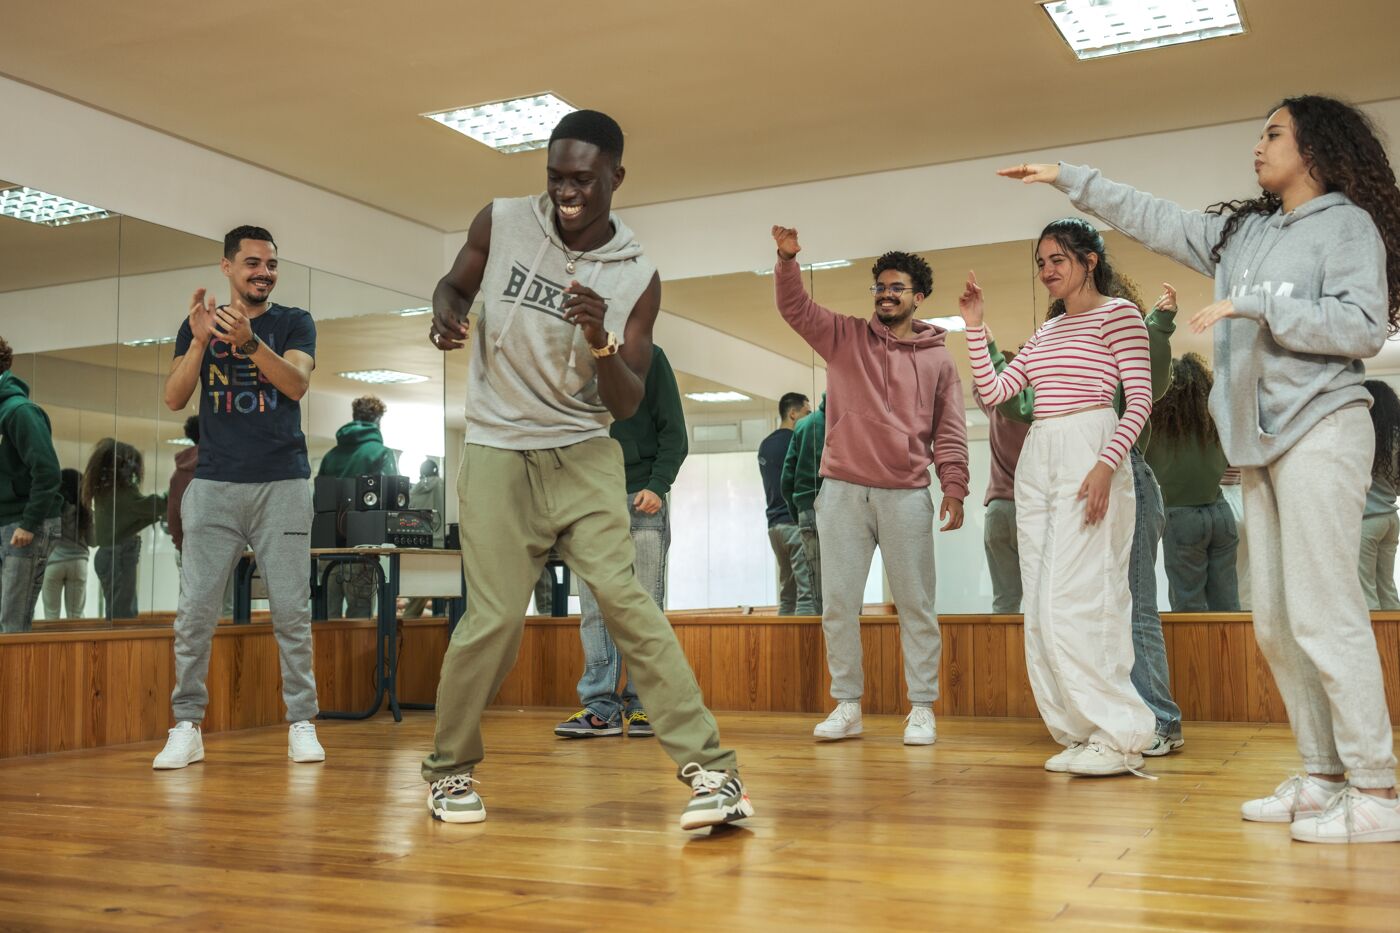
(920, 728)
(1163, 745)
(843, 722)
(302, 746)
(1351, 816)
(183, 747)
(1096, 760)
(1299, 796)
(1060, 763)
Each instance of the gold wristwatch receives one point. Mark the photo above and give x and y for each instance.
(607, 349)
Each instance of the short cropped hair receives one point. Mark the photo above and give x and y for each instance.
(235, 237)
(790, 402)
(593, 127)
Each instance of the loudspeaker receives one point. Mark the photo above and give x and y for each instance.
(406, 528)
(369, 492)
(396, 492)
(326, 530)
(452, 537)
(331, 494)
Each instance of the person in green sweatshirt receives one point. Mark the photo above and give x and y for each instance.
(359, 450)
(1198, 549)
(112, 490)
(654, 446)
(801, 481)
(31, 506)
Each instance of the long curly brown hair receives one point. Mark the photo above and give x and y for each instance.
(1347, 155)
(112, 464)
(1385, 416)
(1079, 238)
(1181, 414)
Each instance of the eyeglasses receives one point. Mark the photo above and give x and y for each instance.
(897, 289)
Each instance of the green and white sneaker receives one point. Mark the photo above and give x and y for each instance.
(452, 800)
(718, 797)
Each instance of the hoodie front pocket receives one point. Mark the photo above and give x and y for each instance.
(861, 446)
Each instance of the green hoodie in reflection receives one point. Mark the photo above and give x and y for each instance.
(123, 512)
(802, 478)
(28, 465)
(359, 450)
(653, 440)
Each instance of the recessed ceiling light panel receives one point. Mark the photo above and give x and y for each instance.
(382, 376)
(717, 396)
(40, 207)
(1095, 28)
(517, 125)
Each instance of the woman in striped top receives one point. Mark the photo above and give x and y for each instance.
(1074, 498)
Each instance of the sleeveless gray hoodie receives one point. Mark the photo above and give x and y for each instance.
(532, 382)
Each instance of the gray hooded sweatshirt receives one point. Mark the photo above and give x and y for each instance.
(532, 382)
(1309, 287)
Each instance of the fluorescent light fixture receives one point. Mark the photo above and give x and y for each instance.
(952, 323)
(414, 312)
(516, 125)
(1095, 28)
(40, 207)
(180, 442)
(382, 377)
(812, 266)
(717, 396)
(148, 342)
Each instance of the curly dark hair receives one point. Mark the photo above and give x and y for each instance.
(70, 483)
(112, 464)
(368, 408)
(1346, 153)
(7, 356)
(1079, 238)
(911, 265)
(1385, 415)
(1181, 414)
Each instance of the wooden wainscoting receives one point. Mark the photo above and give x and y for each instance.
(69, 690)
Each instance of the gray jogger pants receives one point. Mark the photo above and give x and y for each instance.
(221, 520)
(851, 520)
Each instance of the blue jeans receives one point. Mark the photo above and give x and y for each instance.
(1199, 556)
(22, 573)
(1149, 675)
(602, 665)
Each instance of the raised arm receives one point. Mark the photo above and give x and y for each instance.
(820, 327)
(991, 386)
(1161, 225)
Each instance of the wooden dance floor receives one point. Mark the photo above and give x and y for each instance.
(861, 835)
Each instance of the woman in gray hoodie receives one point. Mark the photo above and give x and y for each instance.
(1307, 285)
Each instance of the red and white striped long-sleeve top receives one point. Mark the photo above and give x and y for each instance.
(1076, 361)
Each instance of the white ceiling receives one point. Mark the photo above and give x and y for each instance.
(729, 96)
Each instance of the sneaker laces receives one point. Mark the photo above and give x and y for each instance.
(1098, 747)
(919, 716)
(457, 784)
(701, 780)
(1344, 800)
(1292, 788)
(304, 729)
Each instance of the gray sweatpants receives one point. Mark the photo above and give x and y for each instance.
(851, 521)
(1310, 617)
(221, 520)
(1003, 554)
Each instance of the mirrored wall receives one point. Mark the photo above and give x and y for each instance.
(91, 310)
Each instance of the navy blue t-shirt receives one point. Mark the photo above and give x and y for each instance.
(770, 466)
(248, 431)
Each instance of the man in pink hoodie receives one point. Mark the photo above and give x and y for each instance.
(894, 407)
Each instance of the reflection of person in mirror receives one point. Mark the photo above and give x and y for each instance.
(896, 408)
(1075, 504)
(795, 595)
(251, 360)
(1307, 286)
(801, 483)
(562, 348)
(31, 506)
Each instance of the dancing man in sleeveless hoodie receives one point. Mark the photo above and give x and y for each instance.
(561, 348)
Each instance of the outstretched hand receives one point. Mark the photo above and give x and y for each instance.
(786, 238)
(1031, 172)
(970, 302)
(1167, 300)
(1206, 318)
